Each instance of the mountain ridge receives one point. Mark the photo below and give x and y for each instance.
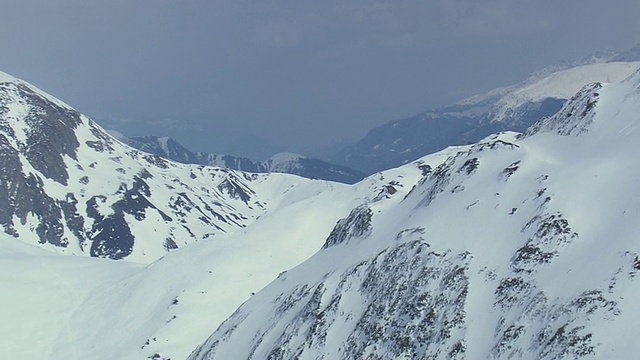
(300, 165)
(491, 254)
(511, 108)
(68, 185)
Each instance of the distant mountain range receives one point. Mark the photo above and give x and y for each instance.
(512, 108)
(280, 163)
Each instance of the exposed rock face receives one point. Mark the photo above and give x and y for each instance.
(357, 224)
(41, 132)
(66, 183)
(574, 118)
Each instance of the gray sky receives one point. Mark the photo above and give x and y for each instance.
(255, 77)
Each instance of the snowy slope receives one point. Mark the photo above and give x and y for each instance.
(514, 248)
(512, 108)
(70, 187)
(60, 307)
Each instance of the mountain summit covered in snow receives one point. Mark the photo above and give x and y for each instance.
(516, 247)
(67, 185)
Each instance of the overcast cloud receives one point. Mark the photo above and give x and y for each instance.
(253, 78)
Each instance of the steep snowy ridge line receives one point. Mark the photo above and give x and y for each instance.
(574, 118)
(6, 78)
(158, 309)
(493, 258)
(565, 84)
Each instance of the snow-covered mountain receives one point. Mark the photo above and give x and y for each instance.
(512, 108)
(280, 163)
(68, 188)
(68, 185)
(517, 247)
(62, 307)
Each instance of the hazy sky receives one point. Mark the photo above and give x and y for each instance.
(255, 77)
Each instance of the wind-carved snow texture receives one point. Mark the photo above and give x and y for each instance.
(547, 233)
(543, 326)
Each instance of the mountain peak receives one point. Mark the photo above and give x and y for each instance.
(69, 186)
(509, 248)
(605, 113)
(575, 117)
(9, 79)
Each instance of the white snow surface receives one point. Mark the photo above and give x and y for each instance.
(182, 203)
(98, 309)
